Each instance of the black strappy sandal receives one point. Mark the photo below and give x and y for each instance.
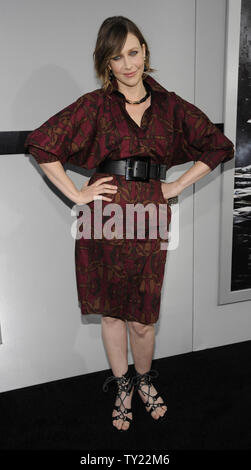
(145, 379)
(124, 385)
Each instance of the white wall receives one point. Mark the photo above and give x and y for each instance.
(46, 65)
(214, 324)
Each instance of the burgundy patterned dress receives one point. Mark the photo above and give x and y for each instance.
(122, 277)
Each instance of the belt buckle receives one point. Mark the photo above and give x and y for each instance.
(137, 169)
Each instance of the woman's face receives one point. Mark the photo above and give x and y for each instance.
(130, 60)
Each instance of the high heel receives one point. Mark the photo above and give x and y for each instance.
(146, 379)
(124, 385)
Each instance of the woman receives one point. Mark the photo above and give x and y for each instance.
(131, 117)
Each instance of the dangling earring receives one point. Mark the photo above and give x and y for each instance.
(110, 74)
(145, 68)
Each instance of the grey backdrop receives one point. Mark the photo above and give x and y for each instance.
(46, 65)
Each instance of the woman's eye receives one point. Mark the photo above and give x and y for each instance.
(118, 57)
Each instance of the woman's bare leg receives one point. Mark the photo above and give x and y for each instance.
(142, 340)
(114, 334)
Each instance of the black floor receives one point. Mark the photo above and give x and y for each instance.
(209, 407)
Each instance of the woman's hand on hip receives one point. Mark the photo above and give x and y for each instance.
(170, 190)
(94, 190)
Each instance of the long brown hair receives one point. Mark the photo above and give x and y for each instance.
(111, 38)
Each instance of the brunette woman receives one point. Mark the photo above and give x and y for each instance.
(132, 130)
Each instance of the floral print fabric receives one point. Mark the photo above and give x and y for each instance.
(120, 277)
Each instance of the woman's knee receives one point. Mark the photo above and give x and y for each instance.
(108, 320)
(140, 328)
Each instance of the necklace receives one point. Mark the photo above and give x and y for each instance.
(140, 101)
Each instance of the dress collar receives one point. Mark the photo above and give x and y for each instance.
(150, 83)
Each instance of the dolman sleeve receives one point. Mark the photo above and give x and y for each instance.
(196, 138)
(66, 136)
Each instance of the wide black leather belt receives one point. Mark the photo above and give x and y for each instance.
(134, 168)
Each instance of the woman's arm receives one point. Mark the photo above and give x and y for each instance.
(57, 175)
(195, 173)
